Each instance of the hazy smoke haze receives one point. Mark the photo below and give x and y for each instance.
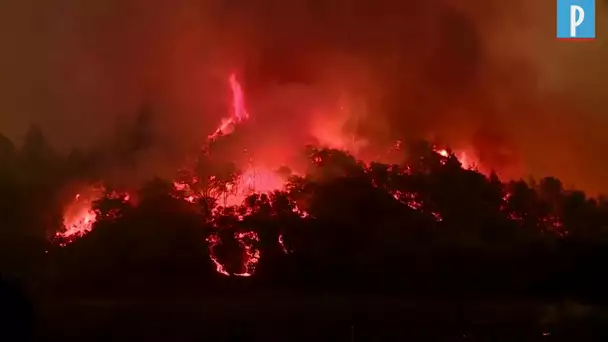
(484, 73)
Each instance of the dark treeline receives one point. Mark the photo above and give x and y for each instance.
(425, 226)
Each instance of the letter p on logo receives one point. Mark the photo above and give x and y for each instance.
(576, 19)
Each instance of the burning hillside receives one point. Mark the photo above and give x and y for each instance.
(232, 186)
(80, 216)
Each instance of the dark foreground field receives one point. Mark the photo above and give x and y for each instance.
(317, 318)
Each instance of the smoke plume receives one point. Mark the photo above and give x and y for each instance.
(488, 75)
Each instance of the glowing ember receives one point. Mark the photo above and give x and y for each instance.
(180, 186)
(549, 224)
(283, 246)
(247, 241)
(412, 201)
(409, 199)
(214, 241)
(189, 195)
(300, 212)
(251, 255)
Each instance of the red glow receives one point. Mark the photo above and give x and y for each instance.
(467, 159)
(214, 241)
(257, 177)
(79, 217)
(330, 130)
(238, 100)
(251, 256)
(254, 180)
(239, 112)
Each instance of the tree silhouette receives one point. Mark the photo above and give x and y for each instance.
(424, 224)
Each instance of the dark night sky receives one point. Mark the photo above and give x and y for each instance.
(465, 70)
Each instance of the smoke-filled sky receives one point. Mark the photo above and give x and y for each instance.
(486, 73)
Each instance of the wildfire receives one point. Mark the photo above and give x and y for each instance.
(254, 180)
(466, 158)
(412, 201)
(282, 244)
(443, 153)
(251, 254)
(79, 216)
(247, 241)
(214, 241)
(239, 112)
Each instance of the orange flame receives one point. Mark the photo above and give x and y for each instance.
(247, 241)
(238, 100)
(251, 257)
(78, 218)
(213, 241)
(466, 158)
(254, 180)
(239, 113)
